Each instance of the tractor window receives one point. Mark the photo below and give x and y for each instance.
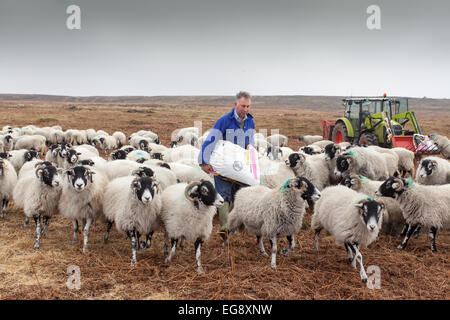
(401, 106)
(387, 108)
(354, 111)
(377, 106)
(368, 108)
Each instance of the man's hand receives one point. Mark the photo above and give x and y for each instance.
(206, 167)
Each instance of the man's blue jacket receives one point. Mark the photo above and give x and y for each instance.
(227, 128)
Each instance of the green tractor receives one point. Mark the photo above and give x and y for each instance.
(382, 121)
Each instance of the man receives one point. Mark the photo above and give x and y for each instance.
(237, 127)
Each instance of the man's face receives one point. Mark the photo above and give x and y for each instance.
(242, 107)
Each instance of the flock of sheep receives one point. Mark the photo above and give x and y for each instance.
(143, 187)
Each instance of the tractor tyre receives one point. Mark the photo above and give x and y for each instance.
(369, 139)
(340, 133)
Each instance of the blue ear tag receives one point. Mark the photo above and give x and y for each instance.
(362, 178)
(350, 153)
(369, 199)
(409, 182)
(285, 185)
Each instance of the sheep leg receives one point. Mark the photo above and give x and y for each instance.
(27, 222)
(37, 220)
(291, 240)
(75, 231)
(316, 239)
(46, 221)
(358, 257)
(410, 231)
(273, 243)
(2, 214)
(108, 229)
(198, 246)
(261, 246)
(405, 229)
(86, 235)
(349, 252)
(353, 262)
(149, 240)
(432, 236)
(172, 251)
(182, 244)
(166, 243)
(141, 244)
(132, 236)
(416, 232)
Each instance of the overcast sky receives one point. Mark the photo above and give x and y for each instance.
(212, 47)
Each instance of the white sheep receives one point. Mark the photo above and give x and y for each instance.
(19, 157)
(134, 204)
(433, 170)
(121, 138)
(36, 142)
(37, 193)
(81, 198)
(278, 140)
(422, 205)
(406, 161)
(138, 156)
(443, 143)
(272, 213)
(187, 213)
(8, 180)
(307, 140)
(314, 168)
(351, 218)
(186, 173)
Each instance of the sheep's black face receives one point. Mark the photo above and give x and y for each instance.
(79, 177)
(145, 172)
(72, 156)
(342, 165)
(102, 140)
(293, 160)
(119, 155)
(157, 155)
(157, 141)
(173, 144)
(143, 145)
(144, 189)
(8, 138)
(165, 165)
(141, 160)
(128, 150)
(308, 150)
(4, 155)
(370, 213)
(389, 188)
(330, 151)
(49, 175)
(87, 162)
(207, 194)
(63, 149)
(346, 181)
(311, 192)
(30, 155)
(273, 151)
(426, 168)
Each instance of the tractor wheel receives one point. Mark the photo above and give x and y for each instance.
(369, 139)
(340, 133)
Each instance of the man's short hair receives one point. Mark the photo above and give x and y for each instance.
(243, 94)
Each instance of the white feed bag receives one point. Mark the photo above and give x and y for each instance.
(231, 161)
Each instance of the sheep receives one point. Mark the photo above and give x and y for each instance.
(422, 205)
(165, 176)
(406, 160)
(186, 173)
(108, 143)
(272, 213)
(120, 168)
(8, 180)
(393, 217)
(135, 213)
(366, 162)
(314, 168)
(278, 140)
(307, 140)
(38, 195)
(148, 134)
(81, 198)
(77, 154)
(138, 155)
(62, 154)
(322, 144)
(332, 152)
(7, 143)
(433, 170)
(351, 218)
(117, 155)
(52, 154)
(274, 173)
(311, 149)
(442, 143)
(185, 136)
(19, 157)
(183, 152)
(121, 138)
(36, 142)
(90, 134)
(187, 213)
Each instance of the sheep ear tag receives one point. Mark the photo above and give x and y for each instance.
(285, 185)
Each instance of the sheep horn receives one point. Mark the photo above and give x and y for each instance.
(188, 187)
(352, 160)
(38, 164)
(358, 184)
(302, 158)
(400, 184)
(41, 167)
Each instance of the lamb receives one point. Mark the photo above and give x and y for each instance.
(278, 140)
(39, 194)
(272, 213)
(8, 180)
(351, 218)
(422, 205)
(19, 157)
(433, 170)
(442, 143)
(187, 213)
(135, 213)
(393, 219)
(121, 138)
(314, 168)
(307, 140)
(36, 142)
(366, 162)
(81, 198)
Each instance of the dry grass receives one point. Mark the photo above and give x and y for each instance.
(238, 271)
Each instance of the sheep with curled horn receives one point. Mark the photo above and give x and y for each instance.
(187, 213)
(133, 203)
